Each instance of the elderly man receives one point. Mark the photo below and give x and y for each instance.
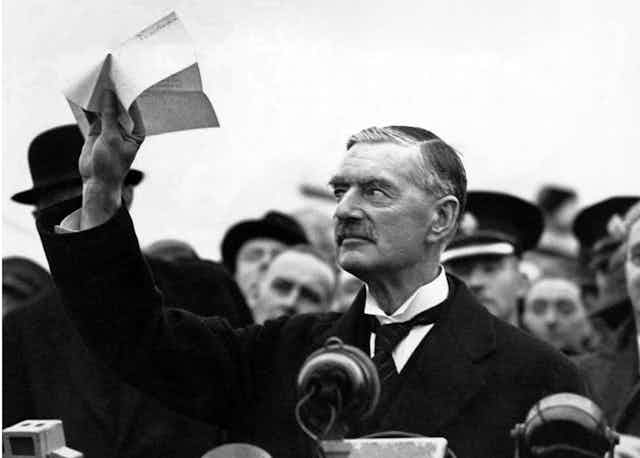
(453, 371)
(597, 227)
(614, 372)
(496, 229)
(298, 280)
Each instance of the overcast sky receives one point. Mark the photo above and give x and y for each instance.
(529, 93)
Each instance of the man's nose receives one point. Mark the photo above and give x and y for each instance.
(290, 300)
(550, 318)
(476, 280)
(348, 206)
(266, 259)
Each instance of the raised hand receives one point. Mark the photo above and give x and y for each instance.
(105, 160)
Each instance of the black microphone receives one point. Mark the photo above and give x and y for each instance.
(337, 386)
(564, 425)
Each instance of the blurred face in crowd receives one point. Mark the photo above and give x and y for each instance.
(295, 282)
(252, 262)
(346, 291)
(563, 217)
(382, 216)
(632, 267)
(610, 280)
(496, 281)
(554, 313)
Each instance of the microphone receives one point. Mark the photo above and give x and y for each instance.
(564, 425)
(337, 386)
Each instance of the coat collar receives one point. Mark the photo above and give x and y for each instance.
(443, 374)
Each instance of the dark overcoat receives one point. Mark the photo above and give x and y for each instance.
(202, 287)
(471, 379)
(614, 379)
(48, 373)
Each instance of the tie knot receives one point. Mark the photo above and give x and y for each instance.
(388, 336)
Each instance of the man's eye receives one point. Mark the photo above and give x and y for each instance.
(634, 258)
(311, 296)
(566, 307)
(539, 307)
(338, 193)
(374, 193)
(253, 255)
(281, 286)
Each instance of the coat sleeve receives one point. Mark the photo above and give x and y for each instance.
(198, 367)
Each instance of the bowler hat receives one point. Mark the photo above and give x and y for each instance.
(495, 223)
(273, 225)
(53, 163)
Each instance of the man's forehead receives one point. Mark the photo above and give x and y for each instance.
(375, 160)
(262, 242)
(294, 264)
(555, 288)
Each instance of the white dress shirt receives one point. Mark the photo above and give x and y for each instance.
(423, 298)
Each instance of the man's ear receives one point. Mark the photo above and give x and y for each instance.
(523, 279)
(443, 220)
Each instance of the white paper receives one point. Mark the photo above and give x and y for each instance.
(157, 71)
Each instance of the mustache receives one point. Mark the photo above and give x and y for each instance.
(356, 229)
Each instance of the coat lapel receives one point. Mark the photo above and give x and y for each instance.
(352, 328)
(444, 372)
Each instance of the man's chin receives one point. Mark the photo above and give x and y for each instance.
(352, 261)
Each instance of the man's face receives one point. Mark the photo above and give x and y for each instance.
(382, 216)
(294, 283)
(252, 261)
(632, 266)
(554, 312)
(495, 280)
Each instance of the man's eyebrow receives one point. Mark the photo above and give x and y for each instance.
(339, 180)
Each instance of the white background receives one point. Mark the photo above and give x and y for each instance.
(529, 92)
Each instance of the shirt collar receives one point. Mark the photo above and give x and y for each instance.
(425, 297)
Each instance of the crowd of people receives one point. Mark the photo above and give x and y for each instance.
(159, 352)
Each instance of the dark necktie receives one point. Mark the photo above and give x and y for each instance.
(388, 336)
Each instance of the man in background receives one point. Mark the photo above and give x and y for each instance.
(249, 246)
(614, 371)
(298, 280)
(599, 230)
(554, 312)
(496, 229)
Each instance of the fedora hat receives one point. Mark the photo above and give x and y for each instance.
(273, 225)
(53, 163)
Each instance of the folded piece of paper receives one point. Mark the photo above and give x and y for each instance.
(157, 71)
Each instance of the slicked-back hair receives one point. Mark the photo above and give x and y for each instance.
(440, 172)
